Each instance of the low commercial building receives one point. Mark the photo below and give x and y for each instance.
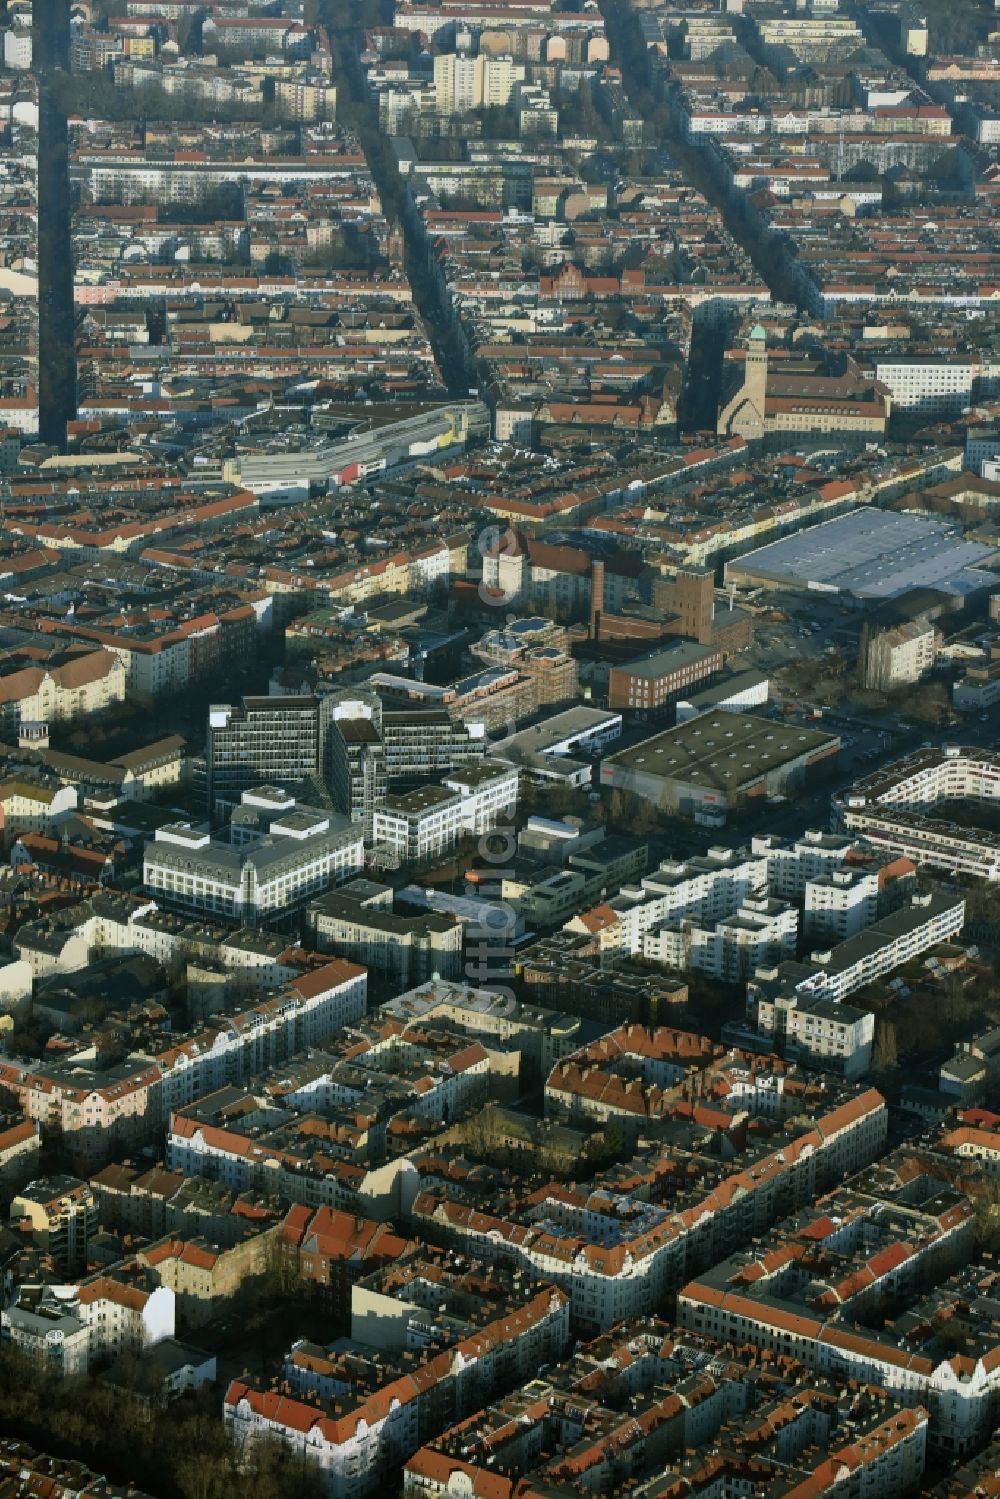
(587, 876)
(714, 763)
(741, 693)
(574, 732)
(871, 554)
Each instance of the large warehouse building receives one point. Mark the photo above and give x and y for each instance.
(871, 554)
(717, 761)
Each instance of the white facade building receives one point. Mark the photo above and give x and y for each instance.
(801, 1002)
(70, 1327)
(933, 387)
(17, 48)
(899, 809)
(760, 931)
(463, 83)
(255, 878)
(707, 888)
(428, 822)
(840, 903)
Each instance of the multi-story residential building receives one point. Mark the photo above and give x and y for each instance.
(623, 1262)
(541, 1035)
(334, 1250)
(359, 1448)
(699, 1416)
(631, 1075)
(17, 48)
(20, 1147)
(463, 82)
(68, 1328)
(67, 685)
(895, 655)
(305, 99)
(358, 922)
(902, 808)
(709, 887)
(32, 801)
(839, 904)
(857, 1273)
(60, 1213)
(810, 1028)
(813, 38)
(260, 875)
(203, 1275)
(801, 1002)
(760, 931)
(95, 1108)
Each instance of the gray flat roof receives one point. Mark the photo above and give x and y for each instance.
(721, 749)
(540, 736)
(672, 658)
(874, 554)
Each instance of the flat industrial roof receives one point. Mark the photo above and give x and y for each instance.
(721, 749)
(571, 722)
(874, 554)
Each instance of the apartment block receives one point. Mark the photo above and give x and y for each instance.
(902, 808)
(358, 1448)
(358, 922)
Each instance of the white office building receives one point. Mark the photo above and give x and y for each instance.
(279, 856)
(428, 822)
